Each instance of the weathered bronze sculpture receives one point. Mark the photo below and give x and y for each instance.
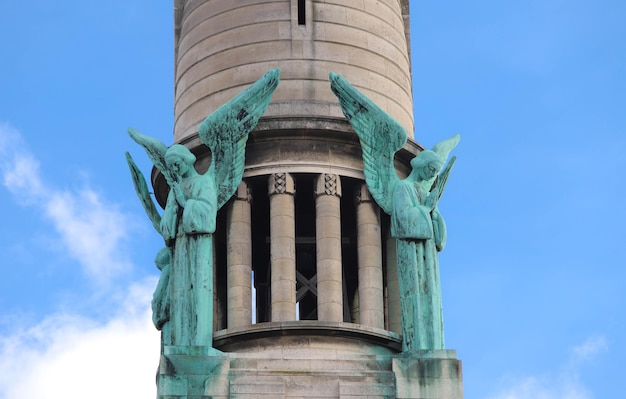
(412, 203)
(184, 295)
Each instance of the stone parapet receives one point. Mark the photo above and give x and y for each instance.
(304, 365)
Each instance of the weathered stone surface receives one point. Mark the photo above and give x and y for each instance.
(428, 374)
(419, 375)
(220, 48)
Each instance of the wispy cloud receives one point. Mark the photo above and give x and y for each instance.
(68, 355)
(113, 353)
(592, 347)
(563, 384)
(90, 229)
(545, 388)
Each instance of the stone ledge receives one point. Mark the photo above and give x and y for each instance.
(295, 145)
(360, 334)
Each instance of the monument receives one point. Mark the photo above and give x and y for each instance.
(280, 275)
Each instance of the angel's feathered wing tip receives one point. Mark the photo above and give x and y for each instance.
(253, 99)
(444, 147)
(337, 81)
(132, 132)
(135, 135)
(273, 75)
(138, 137)
(333, 76)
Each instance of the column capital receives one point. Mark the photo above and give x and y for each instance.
(243, 192)
(328, 184)
(281, 183)
(363, 195)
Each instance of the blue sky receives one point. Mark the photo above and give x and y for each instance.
(533, 275)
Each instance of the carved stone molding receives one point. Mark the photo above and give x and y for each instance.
(328, 184)
(281, 183)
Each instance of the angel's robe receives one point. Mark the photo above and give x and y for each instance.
(190, 230)
(161, 296)
(420, 234)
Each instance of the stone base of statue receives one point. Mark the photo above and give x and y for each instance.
(428, 374)
(308, 359)
(192, 371)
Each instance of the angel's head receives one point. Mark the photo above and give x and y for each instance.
(179, 159)
(427, 164)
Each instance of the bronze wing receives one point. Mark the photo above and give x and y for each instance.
(141, 188)
(156, 152)
(381, 136)
(226, 131)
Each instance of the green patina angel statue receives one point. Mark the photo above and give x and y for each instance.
(183, 300)
(412, 204)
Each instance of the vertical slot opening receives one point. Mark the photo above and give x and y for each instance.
(301, 13)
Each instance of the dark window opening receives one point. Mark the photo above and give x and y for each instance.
(349, 253)
(301, 13)
(385, 224)
(219, 271)
(306, 259)
(260, 212)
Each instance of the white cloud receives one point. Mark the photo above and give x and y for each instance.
(91, 231)
(591, 347)
(23, 178)
(544, 388)
(66, 354)
(564, 384)
(70, 356)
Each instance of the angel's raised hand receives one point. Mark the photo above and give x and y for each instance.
(179, 195)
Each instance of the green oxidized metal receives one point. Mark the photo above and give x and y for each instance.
(412, 203)
(183, 301)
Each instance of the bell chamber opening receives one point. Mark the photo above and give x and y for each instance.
(305, 247)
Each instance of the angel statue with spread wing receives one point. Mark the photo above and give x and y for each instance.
(416, 223)
(183, 301)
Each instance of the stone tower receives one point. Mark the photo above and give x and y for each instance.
(306, 300)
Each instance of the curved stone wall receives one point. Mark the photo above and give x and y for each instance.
(224, 46)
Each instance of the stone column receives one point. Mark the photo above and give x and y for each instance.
(239, 259)
(282, 247)
(328, 248)
(369, 247)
